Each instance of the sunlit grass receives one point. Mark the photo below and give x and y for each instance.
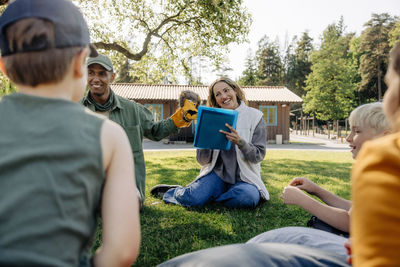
(169, 230)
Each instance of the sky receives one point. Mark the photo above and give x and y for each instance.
(287, 18)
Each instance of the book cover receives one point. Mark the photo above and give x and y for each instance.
(209, 122)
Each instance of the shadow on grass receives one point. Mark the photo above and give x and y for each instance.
(172, 230)
(169, 230)
(181, 174)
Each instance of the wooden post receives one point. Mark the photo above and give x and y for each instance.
(313, 125)
(306, 125)
(337, 129)
(301, 122)
(329, 132)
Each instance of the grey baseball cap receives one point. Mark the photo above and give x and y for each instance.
(103, 60)
(70, 27)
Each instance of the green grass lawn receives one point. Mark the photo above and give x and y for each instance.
(169, 230)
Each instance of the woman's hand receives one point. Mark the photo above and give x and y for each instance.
(232, 136)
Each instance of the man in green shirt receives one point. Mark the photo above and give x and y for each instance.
(136, 120)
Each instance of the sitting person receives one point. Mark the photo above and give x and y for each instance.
(366, 122)
(375, 190)
(134, 118)
(60, 163)
(231, 177)
(258, 255)
(305, 236)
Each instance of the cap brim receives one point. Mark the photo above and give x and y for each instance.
(93, 51)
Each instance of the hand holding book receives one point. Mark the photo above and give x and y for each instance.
(232, 136)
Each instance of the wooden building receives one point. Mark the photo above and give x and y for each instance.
(162, 100)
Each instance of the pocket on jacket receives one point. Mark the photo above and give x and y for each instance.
(134, 136)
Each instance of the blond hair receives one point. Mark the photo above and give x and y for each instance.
(370, 115)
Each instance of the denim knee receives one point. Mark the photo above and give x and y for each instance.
(241, 195)
(186, 198)
(198, 193)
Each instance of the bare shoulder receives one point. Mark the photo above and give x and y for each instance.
(113, 140)
(112, 130)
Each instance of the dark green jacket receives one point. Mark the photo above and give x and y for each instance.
(137, 122)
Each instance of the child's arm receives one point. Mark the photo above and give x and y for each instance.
(326, 196)
(336, 217)
(120, 205)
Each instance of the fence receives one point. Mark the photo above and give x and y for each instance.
(309, 126)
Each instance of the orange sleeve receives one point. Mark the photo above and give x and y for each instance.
(375, 217)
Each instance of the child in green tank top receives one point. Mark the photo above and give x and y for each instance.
(61, 164)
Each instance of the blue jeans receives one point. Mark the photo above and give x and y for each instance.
(210, 188)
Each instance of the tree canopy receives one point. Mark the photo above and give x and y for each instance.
(298, 64)
(270, 66)
(160, 36)
(374, 49)
(330, 85)
(395, 34)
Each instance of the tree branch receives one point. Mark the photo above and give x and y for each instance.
(145, 47)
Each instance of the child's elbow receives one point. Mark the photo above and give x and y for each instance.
(127, 256)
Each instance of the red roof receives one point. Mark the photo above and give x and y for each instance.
(171, 92)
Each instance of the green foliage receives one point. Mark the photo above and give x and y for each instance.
(330, 85)
(161, 35)
(6, 87)
(249, 75)
(354, 56)
(270, 66)
(124, 75)
(298, 64)
(395, 34)
(374, 50)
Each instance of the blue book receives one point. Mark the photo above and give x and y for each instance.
(209, 122)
